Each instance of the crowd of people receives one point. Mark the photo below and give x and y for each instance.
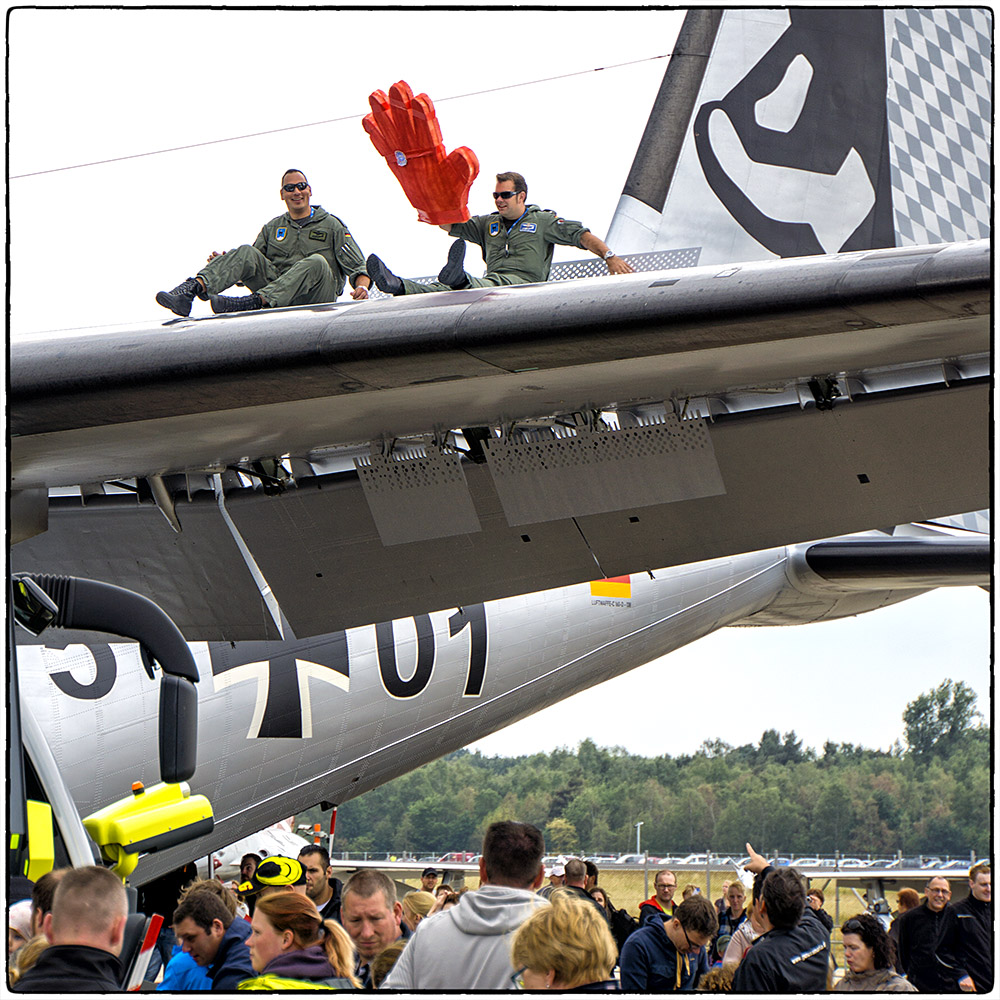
(289, 924)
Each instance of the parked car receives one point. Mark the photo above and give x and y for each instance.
(630, 859)
(694, 859)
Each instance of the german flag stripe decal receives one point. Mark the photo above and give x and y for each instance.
(615, 586)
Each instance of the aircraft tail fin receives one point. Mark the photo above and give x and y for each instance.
(781, 133)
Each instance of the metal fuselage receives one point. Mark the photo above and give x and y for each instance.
(284, 726)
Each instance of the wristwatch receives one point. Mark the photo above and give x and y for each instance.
(609, 255)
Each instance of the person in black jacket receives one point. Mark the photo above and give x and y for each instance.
(966, 948)
(321, 886)
(793, 953)
(906, 899)
(919, 933)
(576, 881)
(86, 927)
(622, 922)
(815, 900)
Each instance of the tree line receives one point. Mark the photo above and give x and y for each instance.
(928, 794)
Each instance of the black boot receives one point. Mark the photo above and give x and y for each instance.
(453, 273)
(235, 303)
(385, 280)
(179, 299)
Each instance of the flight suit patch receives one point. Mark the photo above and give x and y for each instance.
(318, 234)
(280, 234)
(528, 227)
(494, 228)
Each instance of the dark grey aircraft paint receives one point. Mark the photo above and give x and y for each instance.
(838, 45)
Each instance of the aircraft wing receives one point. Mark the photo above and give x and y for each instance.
(745, 406)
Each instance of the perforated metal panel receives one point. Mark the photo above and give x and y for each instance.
(594, 267)
(658, 260)
(602, 471)
(418, 496)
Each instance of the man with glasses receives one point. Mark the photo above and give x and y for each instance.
(516, 240)
(920, 931)
(669, 954)
(302, 257)
(661, 903)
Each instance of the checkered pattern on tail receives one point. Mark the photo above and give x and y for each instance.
(940, 109)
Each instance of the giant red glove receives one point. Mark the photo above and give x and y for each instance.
(404, 129)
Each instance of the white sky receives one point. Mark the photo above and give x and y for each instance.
(91, 247)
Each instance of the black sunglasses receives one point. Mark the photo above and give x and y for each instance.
(301, 186)
(503, 194)
(853, 926)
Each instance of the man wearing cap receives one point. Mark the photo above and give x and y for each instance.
(429, 879)
(275, 873)
(557, 878)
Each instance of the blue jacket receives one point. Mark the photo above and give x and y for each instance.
(183, 973)
(232, 961)
(649, 960)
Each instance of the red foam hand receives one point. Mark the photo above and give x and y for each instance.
(404, 129)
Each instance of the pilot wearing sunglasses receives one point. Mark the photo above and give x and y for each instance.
(303, 256)
(516, 240)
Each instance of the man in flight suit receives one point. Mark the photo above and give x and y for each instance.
(517, 242)
(299, 258)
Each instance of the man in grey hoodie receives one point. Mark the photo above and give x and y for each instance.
(467, 947)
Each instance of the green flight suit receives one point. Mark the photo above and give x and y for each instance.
(292, 262)
(515, 257)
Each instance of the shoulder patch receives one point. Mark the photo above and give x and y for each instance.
(318, 234)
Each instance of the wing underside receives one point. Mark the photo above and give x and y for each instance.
(665, 418)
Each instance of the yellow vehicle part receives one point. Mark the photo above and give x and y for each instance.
(149, 819)
(41, 840)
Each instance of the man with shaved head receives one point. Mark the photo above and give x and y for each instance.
(86, 927)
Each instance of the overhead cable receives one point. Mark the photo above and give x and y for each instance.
(329, 121)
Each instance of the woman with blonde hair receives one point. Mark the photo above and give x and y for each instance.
(292, 947)
(26, 957)
(564, 946)
(416, 906)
